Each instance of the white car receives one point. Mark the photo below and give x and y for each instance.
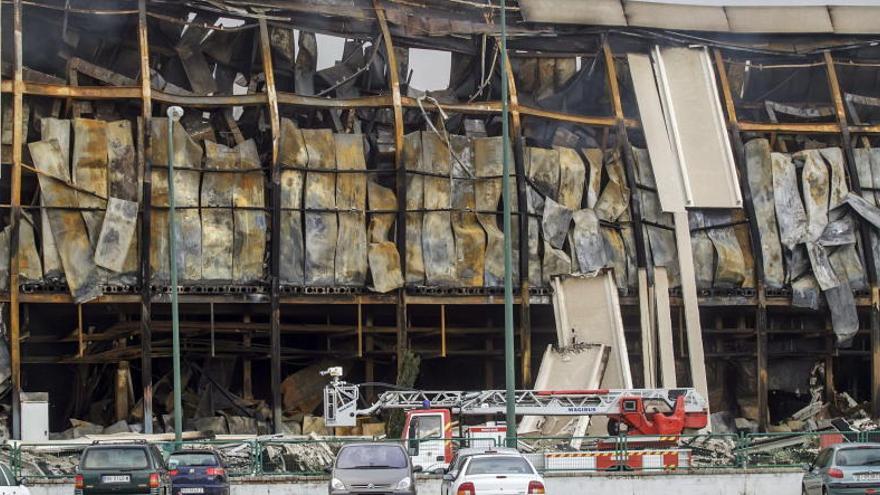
(507, 473)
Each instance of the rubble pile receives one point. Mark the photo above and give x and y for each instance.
(45, 461)
(711, 451)
(309, 455)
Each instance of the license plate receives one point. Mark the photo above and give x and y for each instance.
(192, 490)
(120, 478)
(868, 476)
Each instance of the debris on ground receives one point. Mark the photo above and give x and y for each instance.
(711, 451)
(310, 455)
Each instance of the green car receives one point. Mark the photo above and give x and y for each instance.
(117, 468)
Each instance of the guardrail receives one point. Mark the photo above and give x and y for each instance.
(305, 456)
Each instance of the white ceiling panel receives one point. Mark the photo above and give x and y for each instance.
(779, 20)
(855, 20)
(670, 16)
(594, 12)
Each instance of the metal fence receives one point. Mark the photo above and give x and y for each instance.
(305, 456)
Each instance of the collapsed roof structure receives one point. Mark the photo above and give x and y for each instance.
(338, 212)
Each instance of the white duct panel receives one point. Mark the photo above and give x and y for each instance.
(578, 367)
(670, 185)
(800, 19)
(696, 124)
(587, 312)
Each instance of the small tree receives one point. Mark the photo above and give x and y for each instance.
(406, 378)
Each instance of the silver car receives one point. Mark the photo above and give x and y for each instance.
(365, 468)
(844, 469)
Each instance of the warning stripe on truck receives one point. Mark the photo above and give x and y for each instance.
(565, 455)
(569, 455)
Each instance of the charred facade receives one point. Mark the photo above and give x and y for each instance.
(340, 214)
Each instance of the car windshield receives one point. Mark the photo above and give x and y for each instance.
(371, 457)
(863, 456)
(194, 459)
(509, 464)
(115, 458)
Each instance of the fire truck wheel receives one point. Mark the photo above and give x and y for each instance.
(613, 427)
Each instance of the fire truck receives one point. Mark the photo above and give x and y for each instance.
(656, 416)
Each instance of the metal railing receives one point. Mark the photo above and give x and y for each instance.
(306, 456)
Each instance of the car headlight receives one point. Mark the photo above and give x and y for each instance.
(404, 484)
(336, 484)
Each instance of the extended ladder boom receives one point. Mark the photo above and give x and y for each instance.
(340, 401)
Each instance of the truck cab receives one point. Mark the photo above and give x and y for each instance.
(428, 436)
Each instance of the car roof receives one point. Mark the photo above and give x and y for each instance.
(194, 451)
(117, 446)
(498, 454)
(856, 445)
(372, 444)
(486, 450)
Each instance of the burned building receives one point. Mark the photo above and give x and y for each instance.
(340, 214)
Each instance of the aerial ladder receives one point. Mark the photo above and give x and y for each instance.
(660, 414)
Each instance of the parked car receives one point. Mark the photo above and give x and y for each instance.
(197, 472)
(365, 468)
(122, 467)
(495, 472)
(844, 469)
(458, 461)
(8, 484)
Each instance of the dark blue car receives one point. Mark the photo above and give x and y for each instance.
(197, 472)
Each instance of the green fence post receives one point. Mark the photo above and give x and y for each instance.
(257, 467)
(741, 457)
(16, 460)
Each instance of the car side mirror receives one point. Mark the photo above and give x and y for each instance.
(418, 469)
(806, 467)
(328, 469)
(448, 477)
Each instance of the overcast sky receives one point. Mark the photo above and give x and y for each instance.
(430, 68)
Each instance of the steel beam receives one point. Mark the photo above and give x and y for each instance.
(275, 254)
(15, 222)
(397, 110)
(755, 243)
(146, 220)
(864, 229)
